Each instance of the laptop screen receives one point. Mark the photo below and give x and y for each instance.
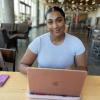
(56, 81)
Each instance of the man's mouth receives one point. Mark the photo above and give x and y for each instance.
(56, 31)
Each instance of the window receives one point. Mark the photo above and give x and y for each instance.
(1, 11)
(41, 12)
(22, 9)
(34, 13)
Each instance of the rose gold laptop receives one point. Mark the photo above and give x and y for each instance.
(60, 82)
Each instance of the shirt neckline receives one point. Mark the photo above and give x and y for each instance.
(57, 44)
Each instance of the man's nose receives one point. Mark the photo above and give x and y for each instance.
(55, 25)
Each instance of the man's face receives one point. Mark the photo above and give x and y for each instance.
(55, 23)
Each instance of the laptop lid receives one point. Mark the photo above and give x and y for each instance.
(55, 81)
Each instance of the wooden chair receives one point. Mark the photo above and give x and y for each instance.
(9, 55)
(2, 63)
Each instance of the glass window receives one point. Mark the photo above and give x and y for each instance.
(16, 10)
(34, 13)
(25, 10)
(20, 0)
(1, 11)
(22, 8)
(41, 12)
(30, 2)
(28, 9)
(26, 1)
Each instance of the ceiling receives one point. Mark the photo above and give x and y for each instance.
(98, 1)
(80, 5)
(83, 1)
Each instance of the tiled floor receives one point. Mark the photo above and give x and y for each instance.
(93, 66)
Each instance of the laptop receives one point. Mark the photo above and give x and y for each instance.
(57, 82)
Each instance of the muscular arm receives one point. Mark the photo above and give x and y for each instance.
(26, 61)
(80, 62)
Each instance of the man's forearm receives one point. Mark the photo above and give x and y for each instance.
(23, 68)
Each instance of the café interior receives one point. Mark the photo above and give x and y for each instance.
(21, 21)
(15, 35)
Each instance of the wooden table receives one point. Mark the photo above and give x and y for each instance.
(91, 89)
(16, 88)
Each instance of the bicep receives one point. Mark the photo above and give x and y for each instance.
(28, 58)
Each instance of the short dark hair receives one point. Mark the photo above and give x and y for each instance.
(55, 8)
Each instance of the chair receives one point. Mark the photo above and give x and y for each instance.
(10, 40)
(7, 26)
(95, 49)
(23, 31)
(2, 63)
(2, 43)
(9, 55)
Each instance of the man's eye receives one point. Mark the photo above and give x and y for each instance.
(49, 22)
(59, 20)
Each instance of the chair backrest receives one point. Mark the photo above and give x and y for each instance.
(95, 49)
(9, 55)
(2, 42)
(10, 42)
(2, 63)
(22, 27)
(5, 36)
(8, 26)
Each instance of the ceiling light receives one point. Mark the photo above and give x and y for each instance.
(72, 1)
(87, 0)
(61, 1)
(81, 3)
(93, 2)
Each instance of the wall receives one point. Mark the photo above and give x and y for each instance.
(8, 14)
(98, 12)
(1, 11)
(82, 17)
(93, 16)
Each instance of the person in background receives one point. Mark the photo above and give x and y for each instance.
(89, 28)
(55, 49)
(28, 21)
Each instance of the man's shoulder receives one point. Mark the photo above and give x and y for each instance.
(44, 36)
(72, 38)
